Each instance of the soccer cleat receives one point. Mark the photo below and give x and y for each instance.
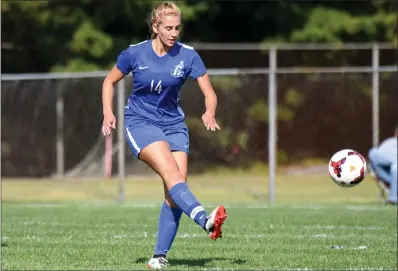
(214, 222)
(157, 263)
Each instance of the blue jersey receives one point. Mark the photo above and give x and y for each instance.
(157, 80)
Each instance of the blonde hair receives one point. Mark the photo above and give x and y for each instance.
(164, 8)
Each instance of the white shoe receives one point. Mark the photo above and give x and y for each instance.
(214, 222)
(157, 263)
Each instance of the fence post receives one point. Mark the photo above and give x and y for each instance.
(108, 161)
(272, 117)
(60, 151)
(375, 95)
(121, 90)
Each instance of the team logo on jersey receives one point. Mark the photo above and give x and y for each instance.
(178, 70)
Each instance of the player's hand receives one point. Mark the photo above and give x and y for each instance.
(210, 122)
(108, 124)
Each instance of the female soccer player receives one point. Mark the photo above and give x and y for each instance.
(154, 121)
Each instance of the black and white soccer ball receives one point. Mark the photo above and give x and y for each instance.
(347, 168)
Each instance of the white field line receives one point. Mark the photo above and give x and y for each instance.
(348, 269)
(340, 227)
(152, 235)
(243, 206)
(367, 268)
(299, 269)
(262, 268)
(270, 226)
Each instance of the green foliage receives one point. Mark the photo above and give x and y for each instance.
(333, 25)
(259, 112)
(226, 84)
(285, 113)
(292, 100)
(94, 32)
(293, 97)
(242, 139)
(75, 64)
(79, 36)
(282, 157)
(91, 41)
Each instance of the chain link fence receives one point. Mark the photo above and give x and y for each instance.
(30, 122)
(29, 140)
(51, 124)
(317, 114)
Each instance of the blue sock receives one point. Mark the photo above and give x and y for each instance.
(169, 221)
(187, 202)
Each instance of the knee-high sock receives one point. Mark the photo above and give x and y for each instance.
(169, 220)
(187, 202)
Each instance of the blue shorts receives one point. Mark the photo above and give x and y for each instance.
(139, 135)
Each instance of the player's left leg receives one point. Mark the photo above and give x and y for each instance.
(178, 139)
(169, 220)
(170, 214)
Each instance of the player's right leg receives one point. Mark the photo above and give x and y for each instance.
(149, 145)
(178, 139)
(158, 156)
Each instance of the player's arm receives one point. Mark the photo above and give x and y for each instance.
(121, 69)
(210, 102)
(208, 93)
(114, 76)
(199, 72)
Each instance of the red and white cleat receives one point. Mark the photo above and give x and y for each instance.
(214, 222)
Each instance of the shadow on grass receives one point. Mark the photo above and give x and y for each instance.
(194, 262)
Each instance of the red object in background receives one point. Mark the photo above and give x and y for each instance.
(235, 149)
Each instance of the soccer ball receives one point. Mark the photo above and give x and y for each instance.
(347, 168)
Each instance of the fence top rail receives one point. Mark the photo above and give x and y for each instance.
(228, 71)
(291, 46)
(53, 75)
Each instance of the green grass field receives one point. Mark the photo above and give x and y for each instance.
(60, 225)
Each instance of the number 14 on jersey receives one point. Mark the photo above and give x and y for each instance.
(158, 86)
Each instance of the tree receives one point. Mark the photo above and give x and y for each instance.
(75, 35)
(88, 35)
